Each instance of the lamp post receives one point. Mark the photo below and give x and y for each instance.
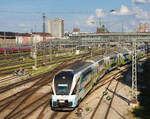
(5, 43)
(44, 44)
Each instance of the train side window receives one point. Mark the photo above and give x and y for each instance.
(86, 72)
(76, 87)
(75, 90)
(112, 65)
(100, 62)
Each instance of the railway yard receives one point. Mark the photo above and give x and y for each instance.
(28, 96)
(63, 59)
(23, 94)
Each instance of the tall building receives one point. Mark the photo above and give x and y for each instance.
(56, 27)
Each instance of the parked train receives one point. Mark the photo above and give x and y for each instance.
(71, 85)
(14, 50)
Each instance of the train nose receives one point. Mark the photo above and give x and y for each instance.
(62, 103)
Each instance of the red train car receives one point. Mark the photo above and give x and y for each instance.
(14, 50)
(2, 50)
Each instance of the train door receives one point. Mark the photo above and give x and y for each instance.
(120, 59)
(127, 58)
(85, 81)
(107, 63)
(113, 63)
(76, 90)
(101, 69)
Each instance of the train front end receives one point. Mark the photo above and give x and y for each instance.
(62, 99)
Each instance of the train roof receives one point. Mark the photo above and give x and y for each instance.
(124, 53)
(98, 58)
(114, 55)
(78, 67)
(111, 56)
(95, 59)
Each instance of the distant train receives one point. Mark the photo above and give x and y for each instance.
(14, 50)
(71, 85)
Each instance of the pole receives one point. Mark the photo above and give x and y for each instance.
(44, 47)
(122, 28)
(50, 49)
(31, 53)
(106, 47)
(134, 72)
(35, 53)
(5, 43)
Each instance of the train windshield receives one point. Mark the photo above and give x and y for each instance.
(62, 88)
(63, 82)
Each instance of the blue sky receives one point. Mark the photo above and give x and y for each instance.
(24, 15)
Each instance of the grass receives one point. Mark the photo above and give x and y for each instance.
(87, 109)
(42, 69)
(31, 62)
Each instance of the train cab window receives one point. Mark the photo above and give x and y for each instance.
(62, 88)
(101, 62)
(75, 90)
(64, 75)
(63, 82)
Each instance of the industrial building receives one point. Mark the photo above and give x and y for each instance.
(56, 27)
(143, 27)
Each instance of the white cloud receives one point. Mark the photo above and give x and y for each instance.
(99, 13)
(142, 1)
(141, 14)
(133, 23)
(22, 25)
(123, 11)
(90, 21)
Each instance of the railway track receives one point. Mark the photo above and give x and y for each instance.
(27, 110)
(24, 96)
(105, 81)
(11, 57)
(5, 88)
(16, 62)
(113, 81)
(97, 111)
(4, 72)
(24, 103)
(65, 115)
(15, 103)
(7, 78)
(43, 111)
(10, 63)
